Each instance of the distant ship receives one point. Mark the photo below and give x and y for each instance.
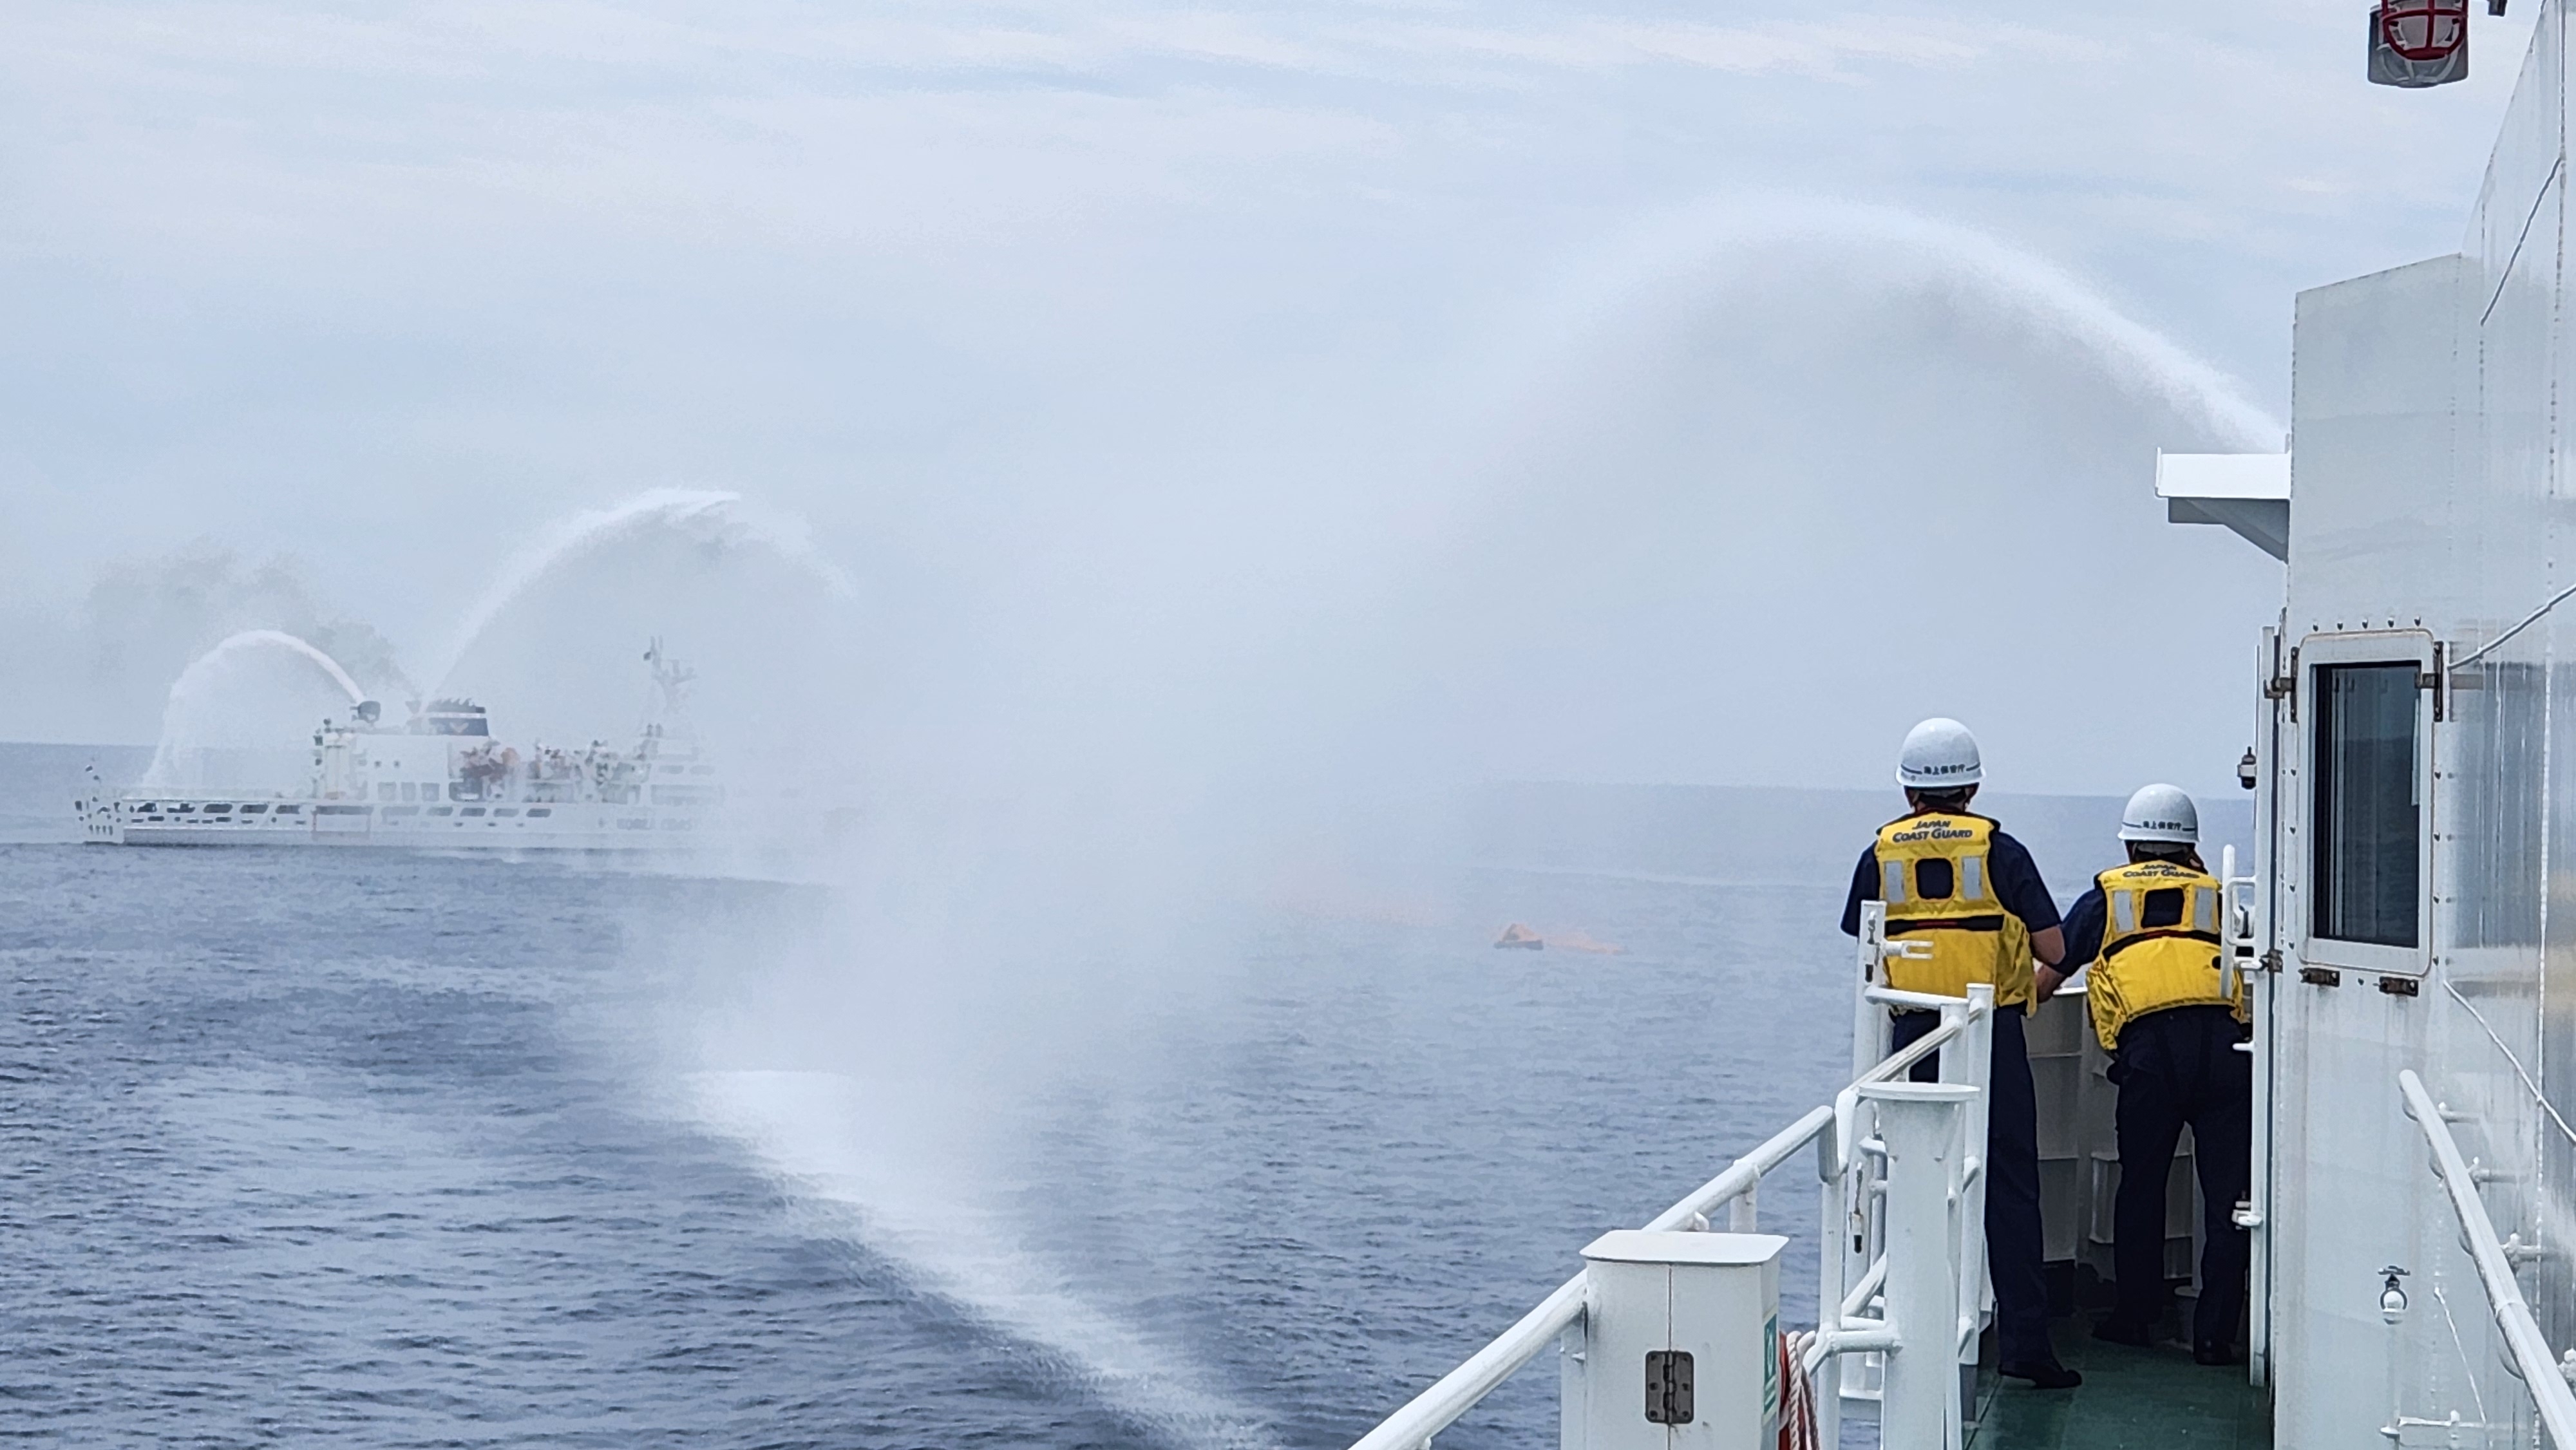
(441, 780)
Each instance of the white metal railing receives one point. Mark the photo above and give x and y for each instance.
(2244, 971)
(2527, 1349)
(1855, 1234)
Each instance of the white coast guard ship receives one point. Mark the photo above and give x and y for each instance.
(2407, 933)
(441, 779)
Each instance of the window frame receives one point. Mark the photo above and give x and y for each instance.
(2317, 654)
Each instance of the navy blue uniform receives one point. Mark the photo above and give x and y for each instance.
(2174, 1067)
(2016, 1254)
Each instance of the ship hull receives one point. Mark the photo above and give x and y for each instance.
(575, 827)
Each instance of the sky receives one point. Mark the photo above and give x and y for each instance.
(1355, 390)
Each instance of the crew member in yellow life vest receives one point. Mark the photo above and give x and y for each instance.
(2148, 933)
(1952, 879)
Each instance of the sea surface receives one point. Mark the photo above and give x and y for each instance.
(408, 1150)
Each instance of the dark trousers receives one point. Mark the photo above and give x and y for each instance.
(2174, 1067)
(2015, 1252)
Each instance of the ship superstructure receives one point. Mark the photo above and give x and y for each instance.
(442, 779)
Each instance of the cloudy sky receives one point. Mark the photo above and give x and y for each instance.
(1600, 392)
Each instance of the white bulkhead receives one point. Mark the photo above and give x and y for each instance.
(2418, 793)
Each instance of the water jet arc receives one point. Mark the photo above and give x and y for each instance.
(711, 516)
(183, 690)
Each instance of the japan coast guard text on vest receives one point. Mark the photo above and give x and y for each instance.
(2160, 946)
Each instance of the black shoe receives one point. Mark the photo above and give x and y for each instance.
(2045, 1374)
(2123, 1331)
(2213, 1354)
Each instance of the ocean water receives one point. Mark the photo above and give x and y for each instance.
(396, 1150)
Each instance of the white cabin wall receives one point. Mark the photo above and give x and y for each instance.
(2431, 490)
(2374, 383)
(2543, 1181)
(2506, 948)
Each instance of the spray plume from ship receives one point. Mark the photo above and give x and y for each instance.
(188, 693)
(713, 520)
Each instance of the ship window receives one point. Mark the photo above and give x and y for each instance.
(2367, 816)
(222, 810)
(290, 810)
(410, 792)
(385, 792)
(442, 810)
(536, 811)
(403, 811)
(254, 810)
(507, 811)
(471, 811)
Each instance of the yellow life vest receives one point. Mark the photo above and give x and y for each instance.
(2160, 946)
(1939, 890)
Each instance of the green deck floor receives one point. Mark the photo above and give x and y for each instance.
(2131, 1399)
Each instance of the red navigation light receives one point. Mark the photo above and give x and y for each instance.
(2418, 43)
(2424, 30)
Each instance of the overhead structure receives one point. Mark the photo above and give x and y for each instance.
(2246, 492)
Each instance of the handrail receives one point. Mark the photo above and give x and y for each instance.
(1457, 1392)
(1745, 1172)
(2532, 1361)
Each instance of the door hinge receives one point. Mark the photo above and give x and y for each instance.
(2433, 680)
(1669, 1393)
(2321, 976)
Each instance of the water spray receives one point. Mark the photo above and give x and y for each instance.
(717, 519)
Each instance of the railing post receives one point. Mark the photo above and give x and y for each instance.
(1921, 1124)
(1744, 1211)
(1872, 1031)
(1869, 1020)
(2236, 925)
(1969, 1061)
(1574, 1381)
(1834, 1238)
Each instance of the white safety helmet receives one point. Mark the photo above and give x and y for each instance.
(1939, 754)
(2160, 813)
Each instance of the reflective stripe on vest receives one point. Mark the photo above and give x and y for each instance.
(1939, 895)
(2160, 945)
